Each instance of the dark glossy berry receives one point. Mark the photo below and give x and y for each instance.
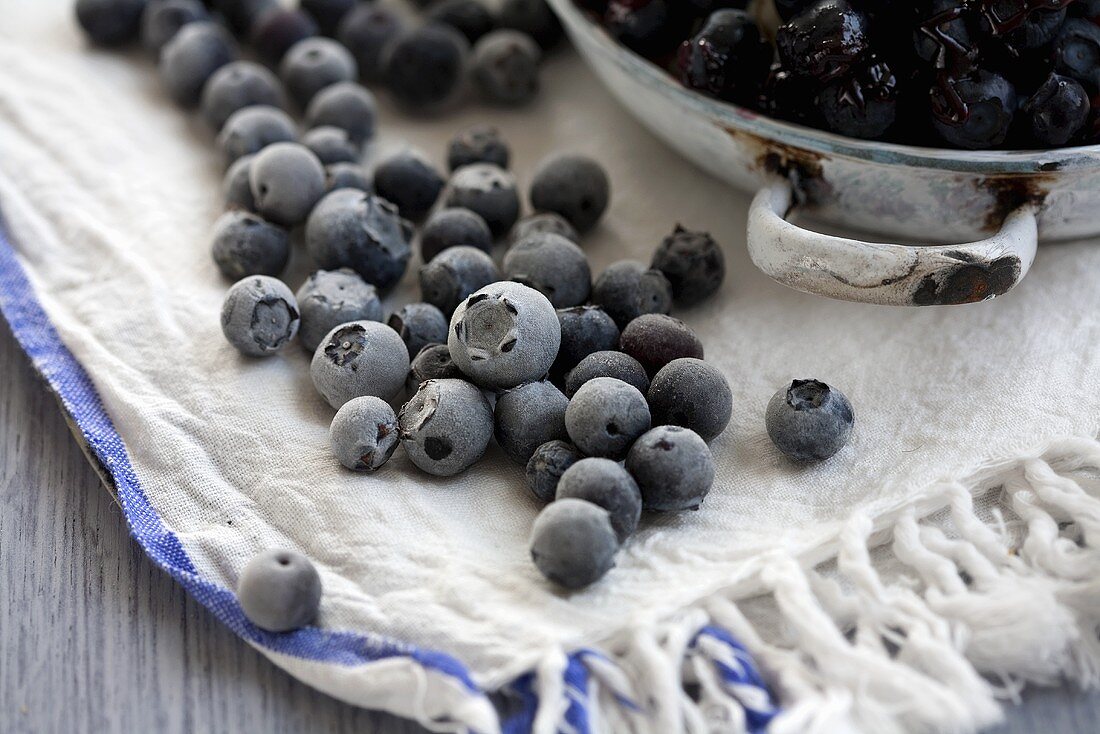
(788, 9)
(277, 29)
(1022, 24)
(693, 263)
(789, 96)
(656, 339)
(809, 420)
(975, 111)
(1056, 112)
(941, 35)
(607, 364)
(825, 41)
(110, 22)
(546, 466)
(585, 330)
(419, 324)
(425, 67)
(162, 19)
(409, 181)
(1077, 53)
(478, 144)
(648, 27)
(469, 17)
(728, 58)
(533, 17)
(863, 104)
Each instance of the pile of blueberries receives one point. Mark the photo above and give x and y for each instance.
(973, 74)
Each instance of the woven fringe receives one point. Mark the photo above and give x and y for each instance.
(920, 622)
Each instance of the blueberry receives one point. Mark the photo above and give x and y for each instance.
(330, 298)
(573, 186)
(543, 223)
(809, 420)
(527, 417)
(192, 56)
(235, 86)
(244, 244)
(345, 105)
(110, 22)
(673, 467)
(487, 190)
(409, 181)
(974, 111)
(1056, 112)
(252, 129)
(279, 591)
(328, 13)
(651, 28)
(607, 364)
(824, 41)
(241, 15)
(277, 29)
(656, 339)
(424, 68)
(419, 325)
(454, 228)
(691, 393)
(693, 263)
(504, 335)
(605, 416)
(546, 466)
(573, 543)
(552, 265)
(478, 144)
(287, 180)
(354, 229)
(162, 19)
(506, 67)
(359, 358)
(236, 189)
(533, 17)
(863, 104)
(585, 330)
(346, 176)
(627, 290)
(432, 363)
(313, 64)
(454, 274)
(1038, 27)
(469, 17)
(728, 58)
(367, 31)
(331, 145)
(364, 433)
(607, 484)
(259, 316)
(446, 426)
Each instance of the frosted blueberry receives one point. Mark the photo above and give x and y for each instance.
(368, 30)
(627, 289)
(693, 263)
(656, 339)
(236, 189)
(238, 85)
(328, 13)
(454, 274)
(605, 416)
(345, 105)
(287, 180)
(110, 22)
(241, 15)
(527, 417)
(244, 244)
(809, 420)
(691, 393)
(446, 426)
(478, 144)
(506, 67)
(313, 64)
(605, 483)
(573, 186)
(488, 190)
(251, 129)
(432, 363)
(573, 543)
(673, 467)
(330, 298)
(419, 324)
(259, 315)
(546, 466)
(424, 68)
(331, 145)
(533, 17)
(276, 30)
(585, 330)
(454, 228)
(409, 181)
(354, 229)
(357, 359)
(504, 335)
(607, 364)
(346, 176)
(279, 591)
(162, 19)
(192, 56)
(469, 17)
(543, 223)
(364, 433)
(553, 266)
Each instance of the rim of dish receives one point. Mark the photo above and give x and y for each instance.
(821, 141)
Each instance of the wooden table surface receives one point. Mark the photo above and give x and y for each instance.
(95, 638)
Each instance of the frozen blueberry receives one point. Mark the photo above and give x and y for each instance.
(605, 416)
(235, 86)
(573, 543)
(331, 145)
(656, 339)
(252, 129)
(607, 364)
(446, 426)
(454, 274)
(543, 223)
(419, 325)
(409, 181)
(546, 466)
(605, 483)
(287, 180)
(488, 190)
(552, 265)
(469, 17)
(627, 290)
(241, 15)
(367, 31)
(313, 64)
(506, 67)
(454, 228)
(244, 244)
(693, 263)
(162, 19)
(360, 358)
(330, 298)
(432, 363)
(364, 433)
(527, 417)
(259, 315)
(504, 335)
(533, 17)
(584, 331)
(110, 22)
(424, 68)
(328, 13)
(573, 186)
(345, 105)
(673, 467)
(691, 393)
(354, 229)
(236, 188)
(346, 176)
(192, 56)
(279, 591)
(478, 144)
(809, 420)
(277, 29)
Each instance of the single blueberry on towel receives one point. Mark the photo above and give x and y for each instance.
(656, 339)
(364, 433)
(446, 426)
(345, 105)
(425, 68)
(244, 244)
(259, 315)
(673, 467)
(357, 359)
(605, 483)
(573, 543)
(693, 263)
(454, 228)
(279, 591)
(527, 417)
(691, 393)
(409, 181)
(809, 420)
(454, 274)
(574, 186)
(353, 229)
(192, 56)
(314, 64)
(506, 67)
(605, 416)
(553, 266)
(287, 180)
(607, 364)
(419, 324)
(238, 85)
(488, 190)
(478, 144)
(251, 129)
(628, 289)
(546, 466)
(329, 298)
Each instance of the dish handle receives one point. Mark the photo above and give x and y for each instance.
(887, 274)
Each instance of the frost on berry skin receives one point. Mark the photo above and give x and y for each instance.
(287, 180)
(360, 358)
(553, 266)
(628, 289)
(809, 420)
(693, 263)
(274, 31)
(418, 325)
(446, 426)
(425, 68)
(345, 105)
(543, 223)
(236, 189)
(409, 181)
(693, 394)
(504, 335)
(331, 145)
(354, 229)
(605, 416)
(487, 190)
(367, 31)
(192, 56)
(585, 330)
(673, 467)
(313, 64)
(238, 85)
(573, 543)
(432, 363)
(546, 466)
(656, 339)
(605, 483)
(607, 364)
(329, 298)
(454, 274)
(478, 144)
(527, 417)
(279, 591)
(161, 20)
(251, 129)
(346, 176)
(244, 244)
(364, 434)
(533, 17)
(259, 316)
(454, 228)
(574, 186)
(110, 22)
(506, 67)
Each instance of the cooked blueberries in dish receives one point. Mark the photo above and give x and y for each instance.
(728, 58)
(809, 421)
(259, 316)
(329, 298)
(1057, 111)
(279, 591)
